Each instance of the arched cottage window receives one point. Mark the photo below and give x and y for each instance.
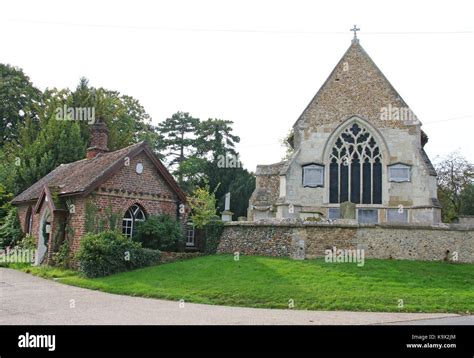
(355, 170)
(133, 215)
(29, 221)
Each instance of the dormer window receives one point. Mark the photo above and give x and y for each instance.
(313, 175)
(399, 173)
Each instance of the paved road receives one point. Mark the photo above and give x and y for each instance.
(26, 299)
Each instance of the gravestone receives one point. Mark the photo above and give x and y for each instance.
(227, 214)
(348, 210)
(297, 248)
(300, 252)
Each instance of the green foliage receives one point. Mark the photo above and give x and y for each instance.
(91, 218)
(36, 142)
(58, 142)
(212, 235)
(287, 143)
(61, 258)
(159, 232)
(8, 172)
(177, 139)
(203, 206)
(96, 223)
(192, 173)
(215, 138)
(240, 188)
(10, 229)
(113, 218)
(467, 199)
(455, 178)
(5, 199)
(27, 242)
(19, 101)
(448, 213)
(199, 158)
(110, 252)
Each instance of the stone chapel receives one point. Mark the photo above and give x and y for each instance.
(357, 141)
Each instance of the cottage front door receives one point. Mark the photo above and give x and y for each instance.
(43, 237)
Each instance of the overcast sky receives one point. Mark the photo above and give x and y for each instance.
(256, 63)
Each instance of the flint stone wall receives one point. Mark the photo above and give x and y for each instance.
(379, 241)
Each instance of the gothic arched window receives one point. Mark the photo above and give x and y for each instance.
(133, 215)
(355, 170)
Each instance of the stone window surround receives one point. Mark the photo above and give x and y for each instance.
(380, 139)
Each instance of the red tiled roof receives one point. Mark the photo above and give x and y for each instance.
(85, 175)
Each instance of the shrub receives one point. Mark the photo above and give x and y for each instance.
(212, 235)
(146, 257)
(159, 232)
(27, 243)
(10, 229)
(61, 257)
(203, 206)
(110, 252)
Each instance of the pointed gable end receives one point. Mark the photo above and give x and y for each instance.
(356, 87)
(48, 196)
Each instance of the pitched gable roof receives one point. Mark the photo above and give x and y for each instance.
(356, 86)
(83, 176)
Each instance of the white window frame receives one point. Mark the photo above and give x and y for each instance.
(320, 181)
(398, 167)
(190, 235)
(128, 223)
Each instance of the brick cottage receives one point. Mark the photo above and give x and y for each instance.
(124, 186)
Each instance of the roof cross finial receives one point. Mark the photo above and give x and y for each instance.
(355, 29)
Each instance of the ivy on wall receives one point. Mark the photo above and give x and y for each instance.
(96, 223)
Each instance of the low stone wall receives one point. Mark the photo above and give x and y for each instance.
(310, 240)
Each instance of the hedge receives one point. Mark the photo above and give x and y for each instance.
(110, 252)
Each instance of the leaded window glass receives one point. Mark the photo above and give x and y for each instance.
(133, 215)
(355, 170)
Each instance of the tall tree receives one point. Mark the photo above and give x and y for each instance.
(241, 188)
(126, 119)
(455, 175)
(19, 100)
(178, 136)
(192, 173)
(467, 200)
(215, 138)
(59, 142)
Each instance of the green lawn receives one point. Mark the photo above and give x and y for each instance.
(312, 284)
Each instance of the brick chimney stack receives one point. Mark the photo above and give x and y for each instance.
(99, 136)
